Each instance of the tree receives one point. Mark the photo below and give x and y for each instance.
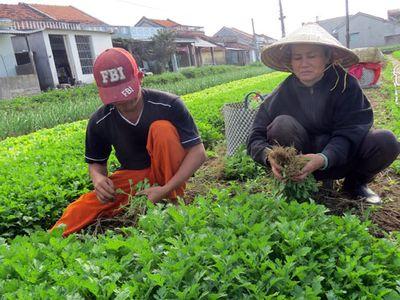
(136, 48)
(156, 52)
(161, 48)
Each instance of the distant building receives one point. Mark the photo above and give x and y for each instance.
(193, 47)
(394, 15)
(64, 41)
(365, 30)
(241, 47)
(17, 74)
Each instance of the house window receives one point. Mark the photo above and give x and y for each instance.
(85, 53)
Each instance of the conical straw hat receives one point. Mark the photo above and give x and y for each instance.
(277, 55)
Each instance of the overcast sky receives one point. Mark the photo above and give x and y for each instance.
(213, 14)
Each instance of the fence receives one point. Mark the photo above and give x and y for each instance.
(13, 86)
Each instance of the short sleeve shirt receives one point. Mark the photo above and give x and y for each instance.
(108, 129)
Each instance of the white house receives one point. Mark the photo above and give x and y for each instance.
(15, 80)
(65, 42)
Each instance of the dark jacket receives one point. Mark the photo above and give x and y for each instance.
(321, 109)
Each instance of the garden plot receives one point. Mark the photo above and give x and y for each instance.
(238, 239)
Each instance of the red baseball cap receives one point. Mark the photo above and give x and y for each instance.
(117, 76)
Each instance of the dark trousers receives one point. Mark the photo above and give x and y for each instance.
(377, 151)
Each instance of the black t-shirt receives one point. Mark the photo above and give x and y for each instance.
(109, 128)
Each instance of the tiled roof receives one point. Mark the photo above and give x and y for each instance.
(165, 23)
(39, 12)
(67, 14)
(231, 31)
(19, 12)
(242, 32)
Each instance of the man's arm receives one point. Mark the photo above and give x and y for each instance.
(103, 185)
(194, 158)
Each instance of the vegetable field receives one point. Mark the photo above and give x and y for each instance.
(28, 114)
(239, 239)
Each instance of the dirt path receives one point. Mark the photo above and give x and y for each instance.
(387, 183)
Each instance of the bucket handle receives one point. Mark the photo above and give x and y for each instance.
(247, 101)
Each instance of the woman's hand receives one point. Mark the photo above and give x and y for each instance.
(276, 169)
(315, 162)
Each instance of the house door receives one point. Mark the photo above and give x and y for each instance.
(63, 68)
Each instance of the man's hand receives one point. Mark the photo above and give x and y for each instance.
(276, 169)
(104, 188)
(315, 162)
(154, 194)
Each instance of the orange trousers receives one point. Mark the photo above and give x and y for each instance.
(166, 154)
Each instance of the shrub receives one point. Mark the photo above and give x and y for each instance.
(194, 72)
(163, 78)
(241, 166)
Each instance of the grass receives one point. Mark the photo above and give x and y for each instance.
(199, 83)
(396, 54)
(389, 49)
(28, 114)
(387, 112)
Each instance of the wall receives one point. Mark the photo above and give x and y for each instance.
(7, 57)
(219, 57)
(25, 69)
(393, 39)
(372, 31)
(40, 45)
(238, 38)
(100, 41)
(206, 56)
(11, 87)
(232, 57)
(19, 43)
(41, 56)
(252, 56)
(146, 23)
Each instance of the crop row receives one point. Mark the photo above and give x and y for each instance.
(194, 72)
(230, 245)
(27, 114)
(43, 171)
